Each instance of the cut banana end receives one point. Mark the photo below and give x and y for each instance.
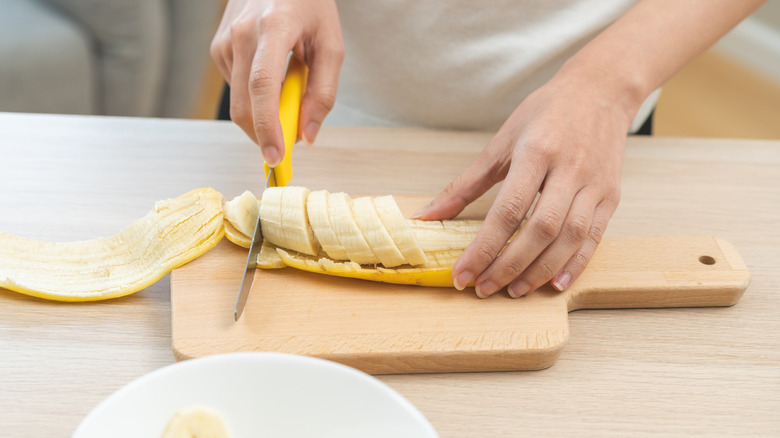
(242, 212)
(196, 422)
(175, 232)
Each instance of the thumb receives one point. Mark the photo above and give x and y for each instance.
(463, 190)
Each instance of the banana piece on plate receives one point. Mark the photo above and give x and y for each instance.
(175, 232)
(365, 237)
(196, 422)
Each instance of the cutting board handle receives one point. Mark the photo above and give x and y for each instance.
(688, 271)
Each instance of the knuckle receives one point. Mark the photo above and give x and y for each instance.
(547, 225)
(215, 49)
(579, 260)
(485, 254)
(577, 229)
(325, 98)
(241, 28)
(260, 80)
(596, 232)
(512, 269)
(511, 211)
(240, 115)
(333, 50)
(613, 196)
(544, 270)
(274, 18)
(263, 121)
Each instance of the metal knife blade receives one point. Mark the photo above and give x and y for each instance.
(251, 260)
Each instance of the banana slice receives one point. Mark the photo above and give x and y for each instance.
(297, 232)
(196, 422)
(242, 212)
(375, 233)
(348, 231)
(399, 230)
(271, 217)
(317, 210)
(175, 232)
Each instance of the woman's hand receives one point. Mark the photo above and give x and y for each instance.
(251, 48)
(565, 141)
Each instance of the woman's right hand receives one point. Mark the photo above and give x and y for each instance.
(251, 47)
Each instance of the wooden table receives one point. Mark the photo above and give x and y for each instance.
(672, 372)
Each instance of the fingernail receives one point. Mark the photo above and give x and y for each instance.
(517, 290)
(422, 211)
(561, 281)
(462, 280)
(271, 155)
(485, 289)
(310, 132)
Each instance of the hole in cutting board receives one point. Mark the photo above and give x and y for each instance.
(707, 260)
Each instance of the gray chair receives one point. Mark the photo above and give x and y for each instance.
(112, 57)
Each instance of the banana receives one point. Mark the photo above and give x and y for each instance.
(347, 230)
(317, 209)
(284, 220)
(242, 212)
(375, 233)
(399, 230)
(196, 422)
(444, 235)
(297, 232)
(365, 238)
(271, 217)
(175, 232)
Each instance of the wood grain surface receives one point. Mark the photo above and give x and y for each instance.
(388, 328)
(712, 371)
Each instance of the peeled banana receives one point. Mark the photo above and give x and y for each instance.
(366, 238)
(175, 232)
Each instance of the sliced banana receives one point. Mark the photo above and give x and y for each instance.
(297, 232)
(348, 231)
(399, 230)
(196, 422)
(271, 217)
(375, 233)
(317, 210)
(242, 212)
(444, 235)
(364, 238)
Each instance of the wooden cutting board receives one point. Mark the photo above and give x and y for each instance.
(384, 329)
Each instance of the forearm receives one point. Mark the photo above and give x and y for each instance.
(650, 43)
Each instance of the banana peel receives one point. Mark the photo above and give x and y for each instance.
(175, 232)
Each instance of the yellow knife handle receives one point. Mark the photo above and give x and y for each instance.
(289, 110)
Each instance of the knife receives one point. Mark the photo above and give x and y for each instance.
(278, 176)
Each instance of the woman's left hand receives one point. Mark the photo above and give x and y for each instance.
(565, 142)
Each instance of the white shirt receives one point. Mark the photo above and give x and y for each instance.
(458, 64)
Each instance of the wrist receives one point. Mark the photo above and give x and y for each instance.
(606, 82)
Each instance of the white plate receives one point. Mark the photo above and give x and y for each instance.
(260, 395)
